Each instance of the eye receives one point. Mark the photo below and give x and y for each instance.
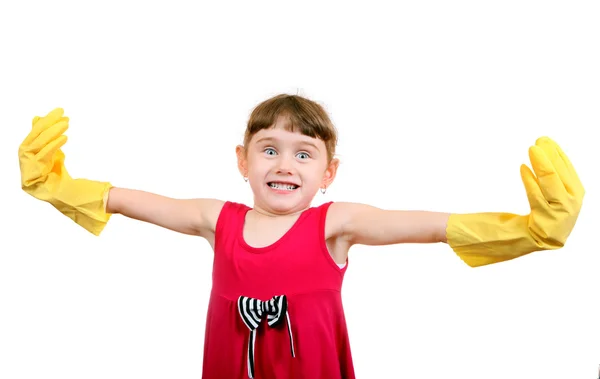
(270, 151)
(303, 155)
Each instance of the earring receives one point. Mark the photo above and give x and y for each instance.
(245, 179)
(323, 190)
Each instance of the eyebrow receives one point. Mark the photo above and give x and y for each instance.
(271, 139)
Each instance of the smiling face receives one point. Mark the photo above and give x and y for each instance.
(285, 169)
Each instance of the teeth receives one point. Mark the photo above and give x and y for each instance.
(282, 186)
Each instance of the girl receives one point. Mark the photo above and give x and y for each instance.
(275, 308)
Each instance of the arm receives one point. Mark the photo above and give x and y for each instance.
(188, 216)
(367, 225)
(91, 203)
(555, 195)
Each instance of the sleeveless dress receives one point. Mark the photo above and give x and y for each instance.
(275, 312)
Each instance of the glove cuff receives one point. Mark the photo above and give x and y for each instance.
(486, 238)
(84, 201)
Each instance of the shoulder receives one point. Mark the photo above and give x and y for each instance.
(341, 216)
(218, 208)
(207, 211)
(224, 211)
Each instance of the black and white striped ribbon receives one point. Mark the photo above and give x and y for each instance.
(252, 312)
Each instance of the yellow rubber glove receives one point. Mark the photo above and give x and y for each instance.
(555, 196)
(44, 176)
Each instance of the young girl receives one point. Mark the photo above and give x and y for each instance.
(275, 308)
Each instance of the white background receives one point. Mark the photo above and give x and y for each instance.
(436, 104)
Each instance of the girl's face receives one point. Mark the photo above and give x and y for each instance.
(285, 169)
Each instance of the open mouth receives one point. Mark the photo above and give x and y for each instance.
(282, 186)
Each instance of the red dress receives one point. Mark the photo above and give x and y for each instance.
(289, 291)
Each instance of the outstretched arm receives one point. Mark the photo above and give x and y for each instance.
(91, 203)
(188, 216)
(362, 224)
(555, 195)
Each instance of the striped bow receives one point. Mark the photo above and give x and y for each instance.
(252, 312)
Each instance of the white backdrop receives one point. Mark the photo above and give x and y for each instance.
(436, 104)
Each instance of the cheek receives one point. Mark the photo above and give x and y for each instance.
(258, 170)
(311, 176)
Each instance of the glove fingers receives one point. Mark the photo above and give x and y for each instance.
(47, 136)
(534, 192)
(547, 177)
(550, 150)
(575, 183)
(47, 154)
(49, 159)
(39, 124)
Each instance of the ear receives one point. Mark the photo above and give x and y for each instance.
(242, 160)
(330, 173)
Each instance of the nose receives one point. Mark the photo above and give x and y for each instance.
(284, 165)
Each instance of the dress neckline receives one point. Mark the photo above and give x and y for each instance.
(279, 241)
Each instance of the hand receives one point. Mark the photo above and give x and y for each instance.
(40, 156)
(555, 193)
(44, 176)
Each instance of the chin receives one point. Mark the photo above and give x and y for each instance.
(285, 206)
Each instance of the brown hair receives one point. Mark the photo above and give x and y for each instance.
(301, 114)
